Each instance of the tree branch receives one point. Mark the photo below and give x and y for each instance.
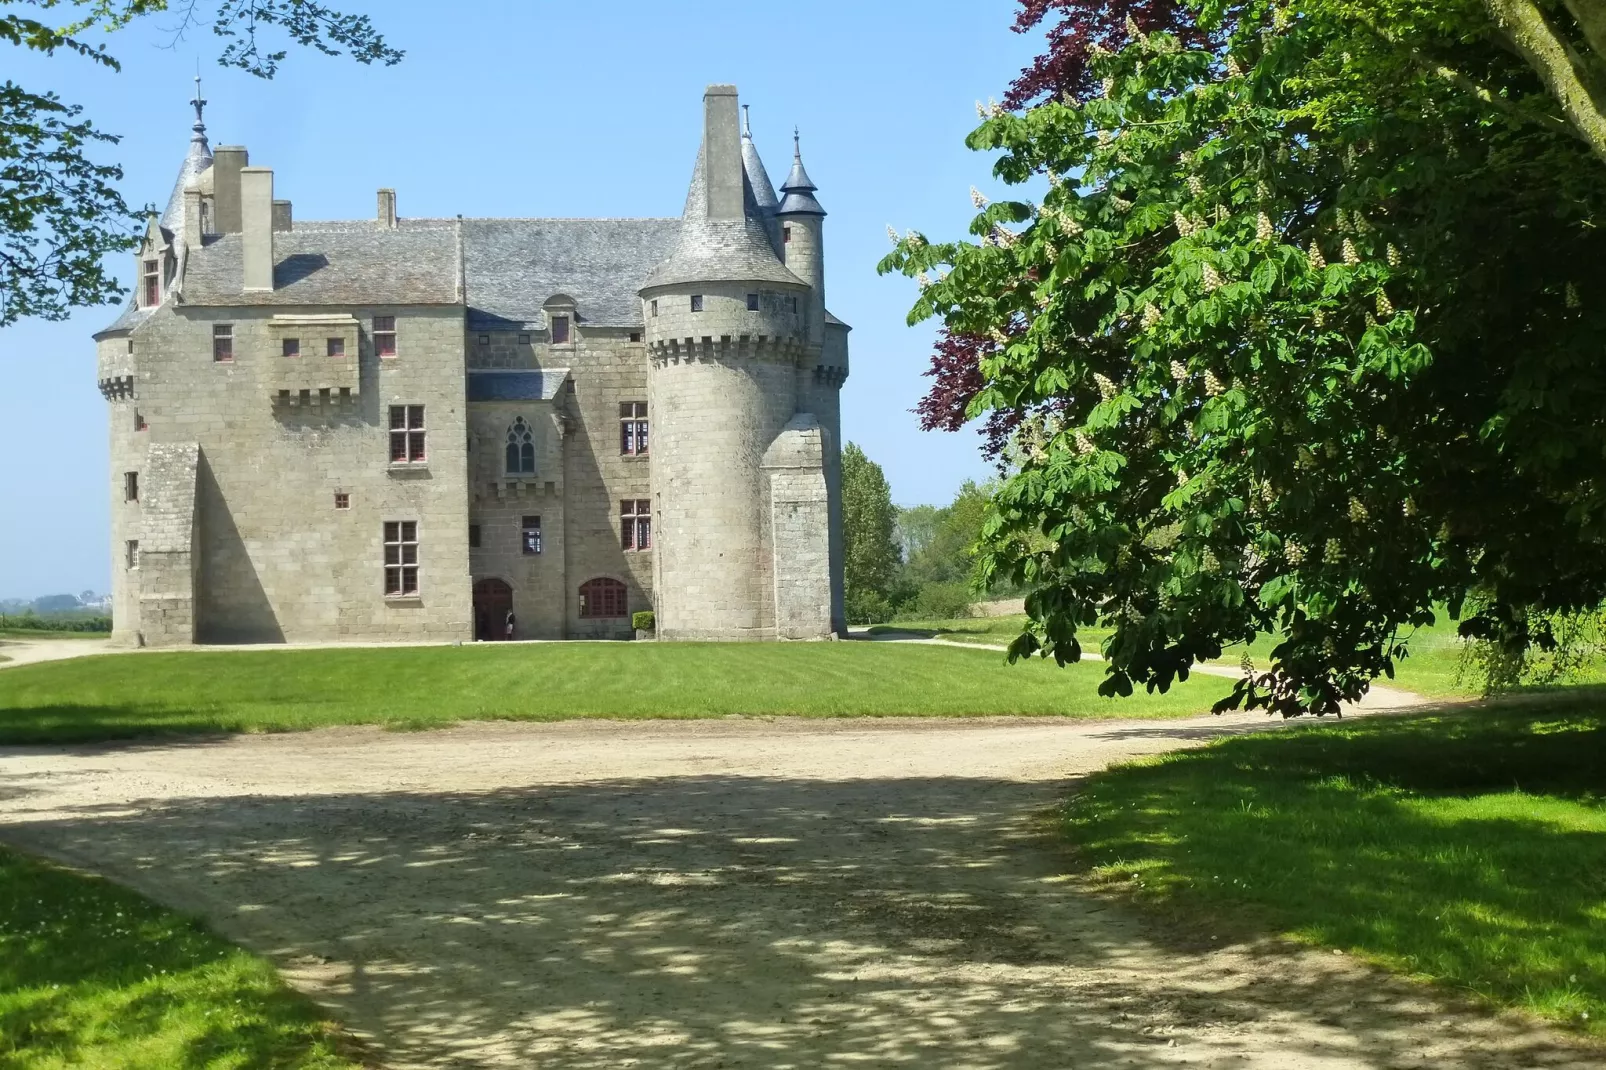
(1526, 28)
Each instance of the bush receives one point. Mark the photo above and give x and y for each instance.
(868, 607)
(943, 601)
(28, 622)
(643, 621)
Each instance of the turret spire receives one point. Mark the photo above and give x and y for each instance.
(799, 187)
(198, 135)
(196, 163)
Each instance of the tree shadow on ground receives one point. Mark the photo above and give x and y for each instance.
(1470, 848)
(725, 921)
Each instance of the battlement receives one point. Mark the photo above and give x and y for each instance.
(789, 349)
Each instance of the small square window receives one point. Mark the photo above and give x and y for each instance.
(473, 536)
(568, 386)
(696, 302)
(336, 347)
(131, 554)
(222, 342)
(342, 501)
(560, 330)
(130, 486)
(485, 339)
(291, 347)
(752, 302)
(385, 336)
(524, 339)
(635, 336)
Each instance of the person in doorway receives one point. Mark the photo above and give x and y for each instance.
(510, 625)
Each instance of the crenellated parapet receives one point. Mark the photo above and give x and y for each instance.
(786, 349)
(117, 388)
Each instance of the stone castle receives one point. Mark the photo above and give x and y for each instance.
(435, 429)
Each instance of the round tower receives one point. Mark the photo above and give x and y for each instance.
(726, 334)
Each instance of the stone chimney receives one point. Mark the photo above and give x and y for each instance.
(281, 216)
(722, 153)
(387, 209)
(227, 163)
(192, 217)
(256, 227)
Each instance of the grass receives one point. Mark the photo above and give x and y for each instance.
(46, 633)
(95, 976)
(241, 691)
(1469, 848)
(1434, 667)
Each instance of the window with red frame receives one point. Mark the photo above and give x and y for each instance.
(153, 284)
(603, 597)
(385, 335)
(401, 557)
(406, 434)
(635, 524)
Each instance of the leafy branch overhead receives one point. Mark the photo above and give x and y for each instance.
(60, 211)
(1300, 336)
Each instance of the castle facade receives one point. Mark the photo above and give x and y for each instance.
(435, 429)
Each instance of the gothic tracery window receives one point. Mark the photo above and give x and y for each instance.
(520, 449)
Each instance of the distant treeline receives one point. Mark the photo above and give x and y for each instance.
(30, 622)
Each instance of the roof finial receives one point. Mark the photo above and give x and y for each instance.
(797, 145)
(747, 122)
(199, 102)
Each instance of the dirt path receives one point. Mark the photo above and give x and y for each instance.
(736, 893)
(16, 652)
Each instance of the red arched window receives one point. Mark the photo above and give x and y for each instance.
(603, 597)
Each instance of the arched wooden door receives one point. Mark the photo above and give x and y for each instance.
(493, 601)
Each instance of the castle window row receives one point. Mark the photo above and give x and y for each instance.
(384, 335)
(633, 428)
(529, 535)
(333, 347)
(401, 558)
(635, 524)
(602, 598)
(407, 434)
(697, 305)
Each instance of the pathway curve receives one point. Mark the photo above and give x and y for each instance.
(30, 651)
(754, 893)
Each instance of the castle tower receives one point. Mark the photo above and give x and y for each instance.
(801, 221)
(741, 496)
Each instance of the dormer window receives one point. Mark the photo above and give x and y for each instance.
(153, 283)
(560, 330)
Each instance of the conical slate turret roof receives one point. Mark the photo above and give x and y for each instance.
(723, 250)
(799, 187)
(195, 164)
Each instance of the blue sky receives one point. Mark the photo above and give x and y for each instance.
(510, 108)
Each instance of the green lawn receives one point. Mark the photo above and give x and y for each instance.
(136, 694)
(1469, 849)
(1433, 667)
(45, 633)
(94, 976)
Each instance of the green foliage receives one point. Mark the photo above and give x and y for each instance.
(29, 622)
(870, 553)
(643, 620)
(60, 211)
(92, 975)
(122, 695)
(1306, 336)
(1468, 849)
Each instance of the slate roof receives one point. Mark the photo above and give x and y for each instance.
(337, 263)
(718, 250)
(542, 385)
(131, 316)
(514, 265)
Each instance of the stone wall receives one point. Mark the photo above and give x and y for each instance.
(800, 526)
(278, 560)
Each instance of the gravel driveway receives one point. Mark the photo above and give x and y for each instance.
(735, 893)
